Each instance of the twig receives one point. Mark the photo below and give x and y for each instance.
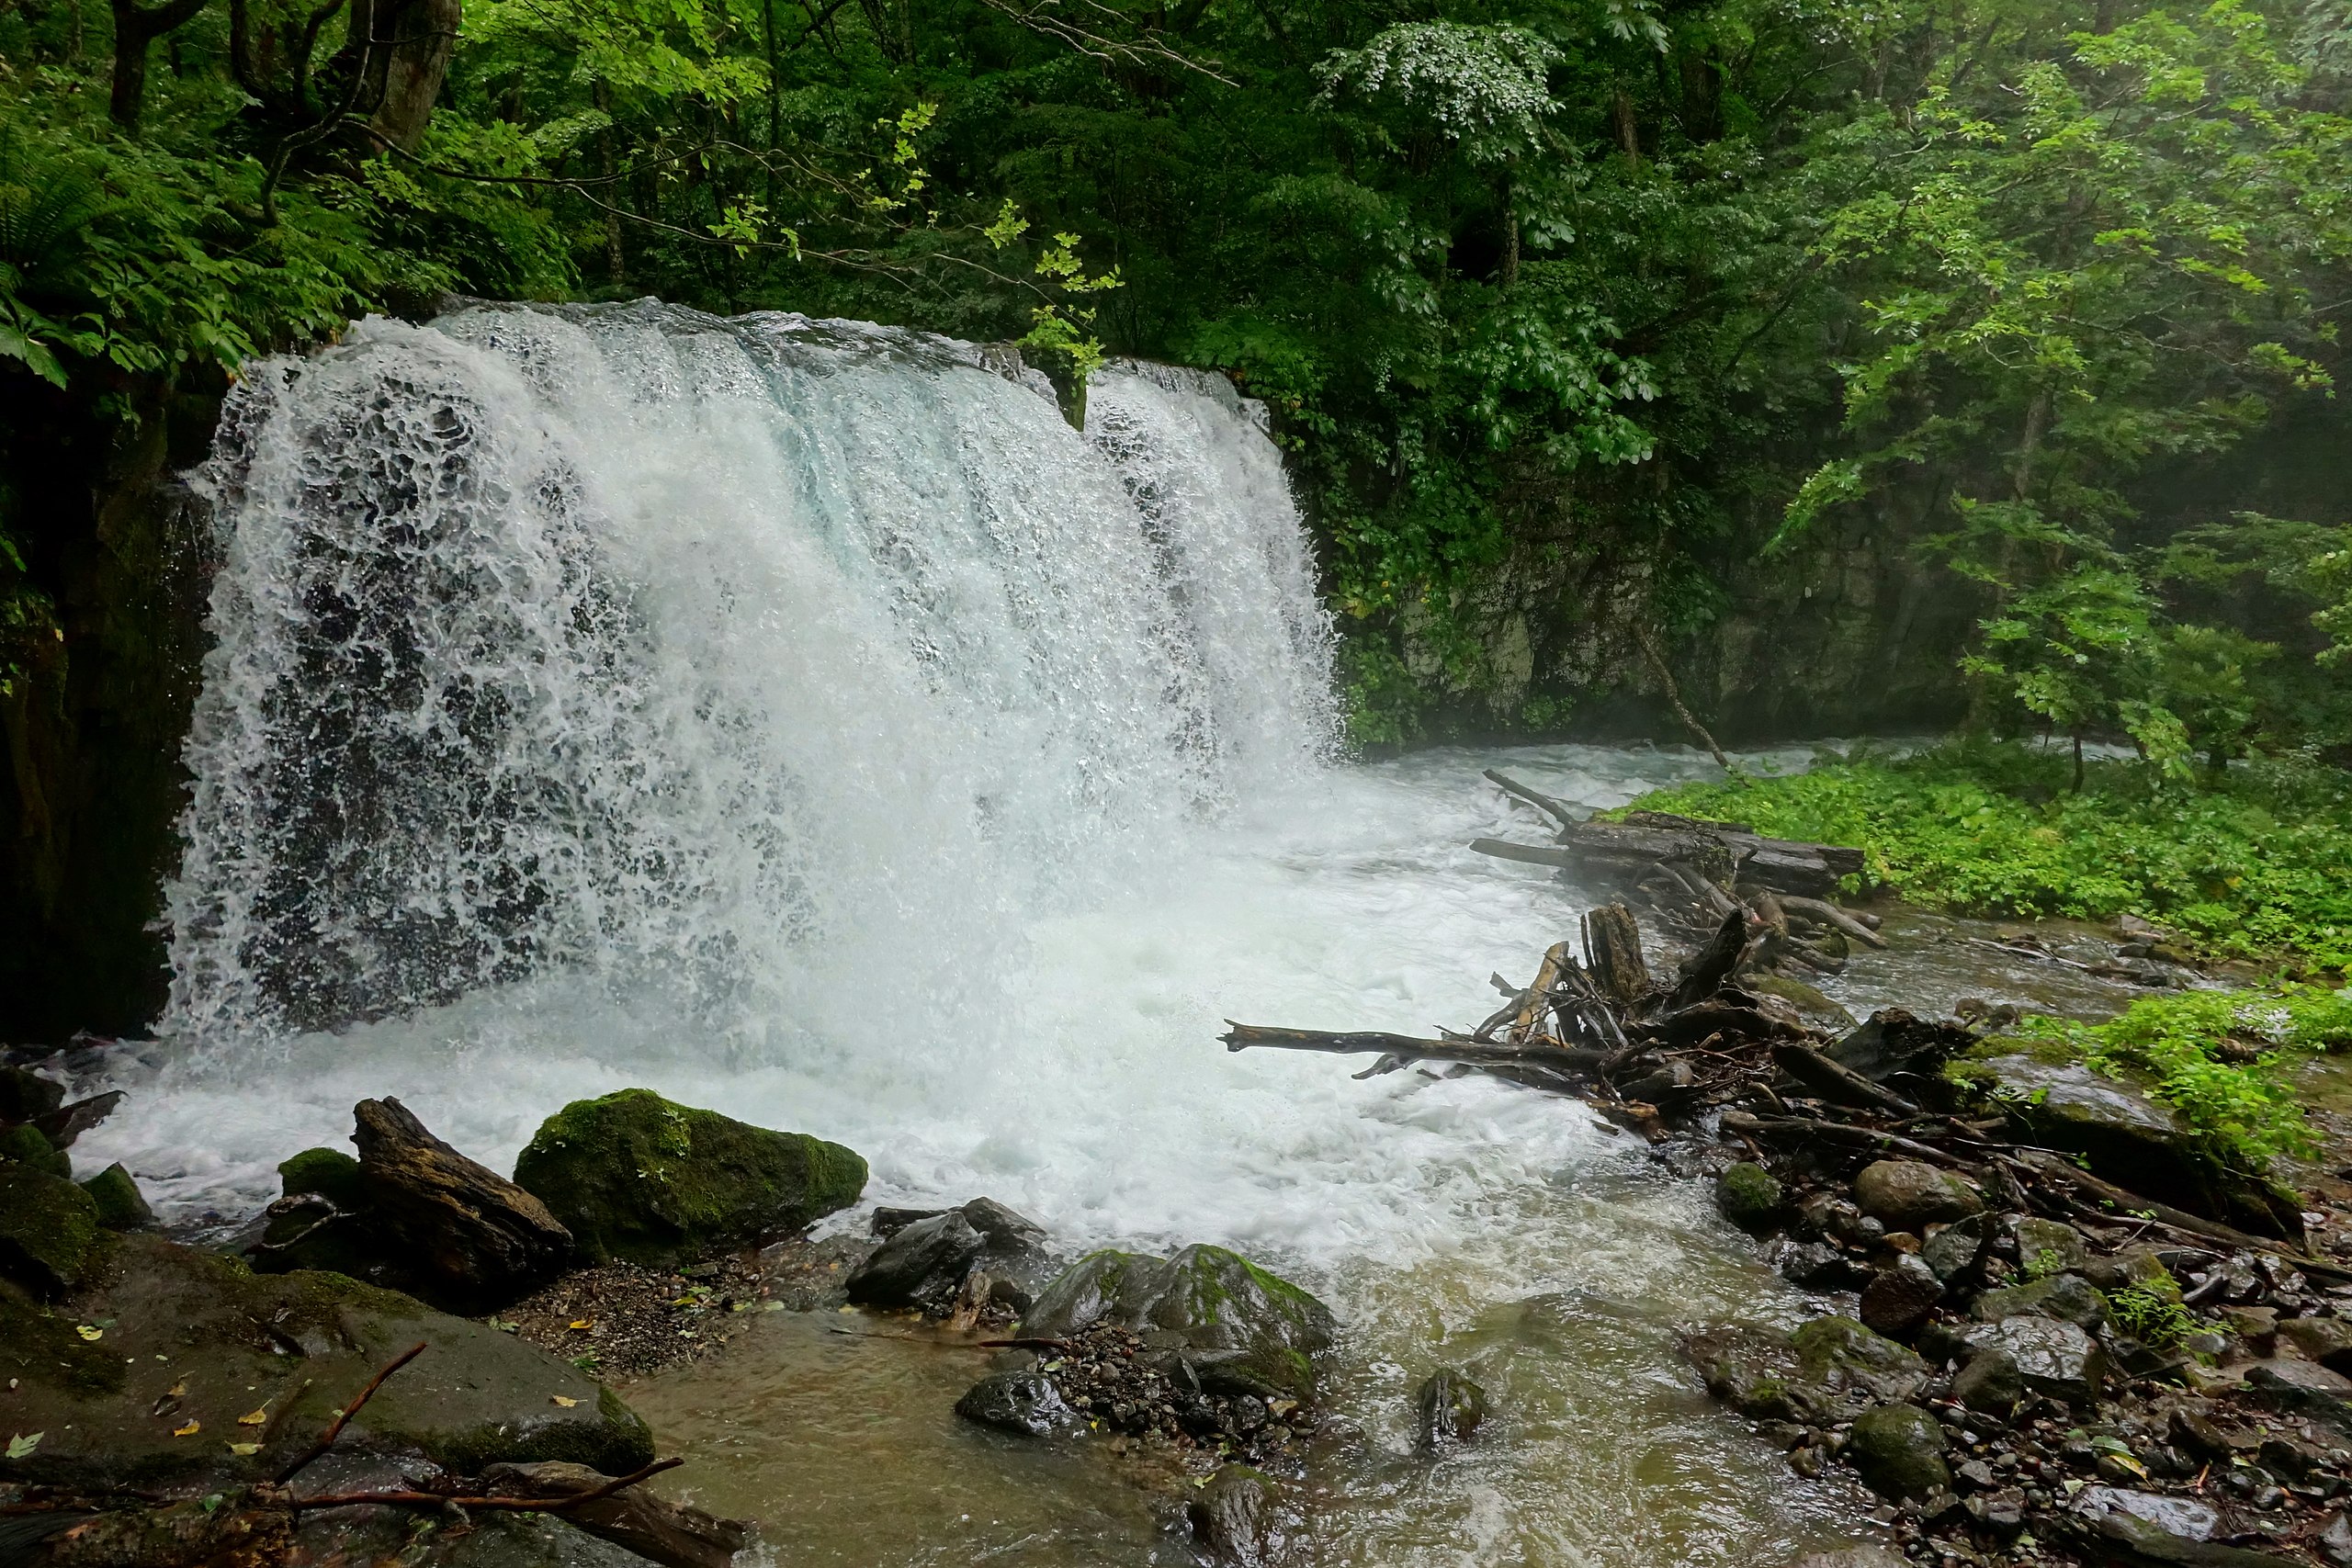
(1534, 797)
(334, 1427)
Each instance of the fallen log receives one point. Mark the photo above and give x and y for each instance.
(1624, 851)
(1548, 1057)
(1612, 955)
(1830, 914)
(664, 1532)
(1749, 1125)
(1832, 1081)
(1537, 799)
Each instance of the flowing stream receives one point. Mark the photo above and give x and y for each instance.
(801, 720)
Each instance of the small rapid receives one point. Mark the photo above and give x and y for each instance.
(801, 720)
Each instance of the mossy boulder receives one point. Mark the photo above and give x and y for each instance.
(641, 1180)
(329, 1173)
(25, 1144)
(120, 1205)
(1749, 1197)
(49, 1230)
(1899, 1452)
(1241, 1328)
(189, 1344)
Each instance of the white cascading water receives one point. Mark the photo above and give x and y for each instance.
(800, 719)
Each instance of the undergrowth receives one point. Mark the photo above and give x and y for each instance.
(2221, 1059)
(2253, 863)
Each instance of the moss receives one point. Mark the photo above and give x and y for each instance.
(616, 1443)
(1748, 1196)
(121, 1206)
(49, 1230)
(39, 1346)
(25, 1144)
(638, 1179)
(330, 1173)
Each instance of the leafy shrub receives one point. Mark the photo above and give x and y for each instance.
(2255, 863)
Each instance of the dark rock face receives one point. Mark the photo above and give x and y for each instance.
(1824, 1374)
(1990, 1382)
(2132, 1140)
(922, 1266)
(2069, 1298)
(468, 1237)
(1022, 1401)
(1907, 1195)
(637, 1180)
(1899, 1452)
(49, 1237)
(193, 1337)
(1891, 1042)
(1749, 1197)
(1242, 1329)
(1957, 1248)
(1235, 1519)
(1448, 1408)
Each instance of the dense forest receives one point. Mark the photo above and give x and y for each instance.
(1604, 335)
(1665, 286)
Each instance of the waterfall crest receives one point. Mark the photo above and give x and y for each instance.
(777, 659)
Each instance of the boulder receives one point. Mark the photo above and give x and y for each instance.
(1749, 1197)
(2052, 1356)
(197, 1358)
(2069, 1298)
(1892, 1042)
(465, 1238)
(638, 1179)
(2146, 1529)
(50, 1237)
(1814, 1008)
(1852, 1557)
(26, 1096)
(120, 1205)
(2327, 1340)
(2141, 1266)
(2132, 1140)
(25, 1144)
(1910, 1195)
(1839, 1354)
(1990, 1382)
(1447, 1408)
(2047, 1246)
(1824, 1374)
(1899, 1297)
(1956, 1249)
(929, 1254)
(1021, 1402)
(1898, 1450)
(1235, 1517)
(1245, 1330)
(330, 1173)
(924, 1265)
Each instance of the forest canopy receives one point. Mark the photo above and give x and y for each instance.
(1691, 280)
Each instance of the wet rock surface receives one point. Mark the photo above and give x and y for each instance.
(1235, 1328)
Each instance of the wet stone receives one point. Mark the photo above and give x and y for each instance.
(1954, 1250)
(1025, 1402)
(2047, 1246)
(1448, 1408)
(1990, 1382)
(1749, 1197)
(2052, 1356)
(1898, 1298)
(1898, 1449)
(1910, 1195)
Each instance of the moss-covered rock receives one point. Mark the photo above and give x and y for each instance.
(190, 1343)
(330, 1173)
(119, 1203)
(1243, 1329)
(25, 1144)
(49, 1230)
(639, 1179)
(1749, 1197)
(1899, 1452)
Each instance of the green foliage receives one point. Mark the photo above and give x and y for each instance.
(2250, 863)
(2150, 1318)
(2221, 1059)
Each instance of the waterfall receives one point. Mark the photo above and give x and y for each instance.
(775, 660)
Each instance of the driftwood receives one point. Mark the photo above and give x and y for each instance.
(1613, 942)
(667, 1533)
(1550, 1055)
(471, 1238)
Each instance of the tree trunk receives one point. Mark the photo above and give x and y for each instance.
(2078, 764)
(1629, 136)
(408, 56)
(134, 31)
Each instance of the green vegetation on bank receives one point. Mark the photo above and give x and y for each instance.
(2255, 863)
(2223, 1060)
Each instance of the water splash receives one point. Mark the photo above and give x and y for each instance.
(749, 653)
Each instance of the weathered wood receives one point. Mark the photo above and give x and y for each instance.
(1555, 1058)
(1831, 1081)
(1612, 947)
(1625, 849)
(1537, 799)
(1830, 914)
(663, 1532)
(1532, 1002)
(1712, 965)
(466, 1236)
(1840, 1132)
